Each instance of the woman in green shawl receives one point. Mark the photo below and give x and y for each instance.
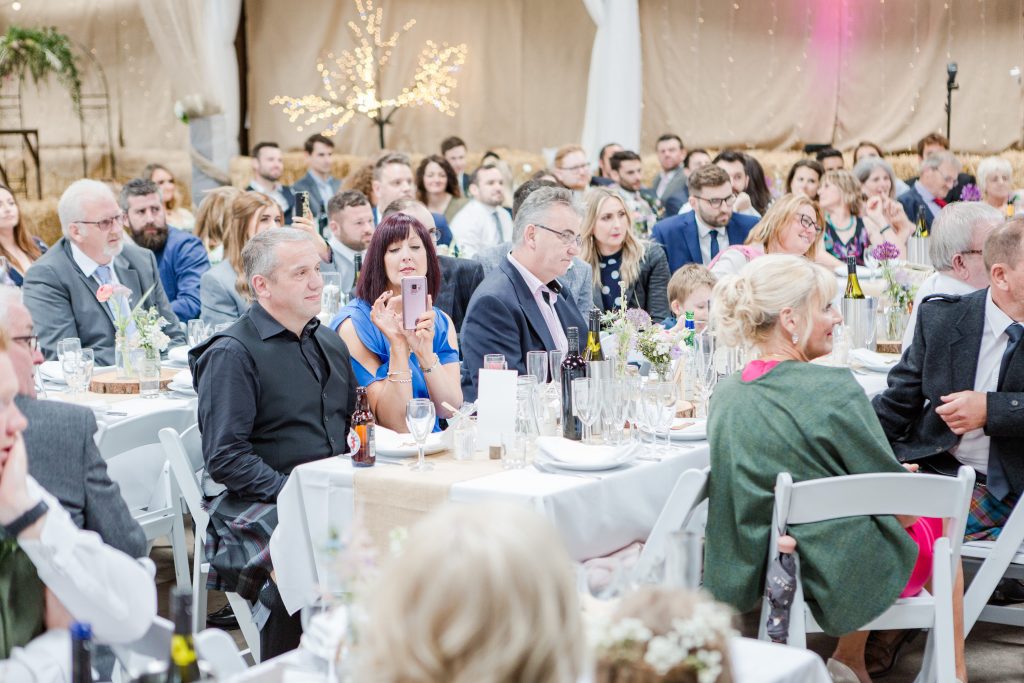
(784, 414)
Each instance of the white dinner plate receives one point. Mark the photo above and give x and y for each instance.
(695, 429)
(390, 444)
(563, 454)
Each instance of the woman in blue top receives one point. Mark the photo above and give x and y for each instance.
(395, 364)
(18, 247)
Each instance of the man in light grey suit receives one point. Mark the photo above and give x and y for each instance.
(60, 288)
(318, 181)
(62, 455)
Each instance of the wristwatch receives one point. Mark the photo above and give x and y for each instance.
(26, 519)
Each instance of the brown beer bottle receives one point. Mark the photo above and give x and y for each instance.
(361, 440)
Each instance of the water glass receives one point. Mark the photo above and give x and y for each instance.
(841, 345)
(464, 443)
(419, 418)
(537, 365)
(68, 345)
(495, 361)
(514, 451)
(331, 295)
(198, 332)
(149, 376)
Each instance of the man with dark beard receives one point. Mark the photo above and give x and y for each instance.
(180, 256)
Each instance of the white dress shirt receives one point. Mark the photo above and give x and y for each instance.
(974, 445)
(89, 266)
(545, 304)
(96, 583)
(704, 236)
(475, 229)
(936, 283)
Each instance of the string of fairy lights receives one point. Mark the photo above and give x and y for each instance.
(351, 80)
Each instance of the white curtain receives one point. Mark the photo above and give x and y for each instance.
(195, 38)
(614, 88)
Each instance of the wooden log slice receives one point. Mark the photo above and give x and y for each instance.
(109, 383)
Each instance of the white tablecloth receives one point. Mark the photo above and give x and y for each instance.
(594, 516)
(753, 661)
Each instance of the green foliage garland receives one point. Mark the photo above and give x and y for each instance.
(41, 53)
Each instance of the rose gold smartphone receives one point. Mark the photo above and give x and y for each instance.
(414, 299)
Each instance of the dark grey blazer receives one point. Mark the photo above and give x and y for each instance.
(650, 290)
(62, 300)
(942, 359)
(577, 280)
(63, 458)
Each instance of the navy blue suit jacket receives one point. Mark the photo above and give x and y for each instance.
(503, 317)
(182, 262)
(679, 236)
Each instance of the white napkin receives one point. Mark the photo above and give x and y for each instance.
(184, 378)
(178, 355)
(51, 372)
(566, 451)
(390, 440)
(869, 358)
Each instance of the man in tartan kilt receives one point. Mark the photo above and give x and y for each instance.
(276, 390)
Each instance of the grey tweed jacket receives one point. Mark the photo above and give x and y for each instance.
(578, 280)
(63, 458)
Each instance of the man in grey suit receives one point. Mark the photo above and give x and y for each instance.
(62, 455)
(578, 281)
(60, 288)
(318, 181)
(671, 181)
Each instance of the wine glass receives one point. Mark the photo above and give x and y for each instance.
(419, 418)
(631, 403)
(537, 365)
(707, 373)
(666, 392)
(583, 404)
(615, 405)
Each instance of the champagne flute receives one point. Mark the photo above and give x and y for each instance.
(537, 365)
(667, 401)
(583, 394)
(419, 418)
(555, 359)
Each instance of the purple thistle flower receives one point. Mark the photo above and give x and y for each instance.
(970, 193)
(885, 251)
(639, 318)
(675, 352)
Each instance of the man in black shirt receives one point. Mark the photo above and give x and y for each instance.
(275, 391)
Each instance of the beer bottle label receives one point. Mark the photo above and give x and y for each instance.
(354, 443)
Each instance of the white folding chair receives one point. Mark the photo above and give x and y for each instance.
(138, 464)
(184, 452)
(686, 507)
(218, 649)
(133, 657)
(991, 561)
(923, 495)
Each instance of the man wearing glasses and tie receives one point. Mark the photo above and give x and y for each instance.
(698, 236)
(520, 307)
(60, 288)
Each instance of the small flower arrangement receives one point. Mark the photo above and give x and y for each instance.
(150, 325)
(625, 325)
(660, 347)
(898, 286)
(693, 643)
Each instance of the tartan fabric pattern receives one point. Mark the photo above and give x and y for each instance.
(987, 515)
(238, 545)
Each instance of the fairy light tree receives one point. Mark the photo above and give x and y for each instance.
(352, 80)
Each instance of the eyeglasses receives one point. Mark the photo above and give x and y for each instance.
(107, 224)
(716, 202)
(809, 223)
(568, 237)
(575, 169)
(31, 341)
(972, 251)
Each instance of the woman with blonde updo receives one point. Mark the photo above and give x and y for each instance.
(784, 414)
(212, 219)
(479, 593)
(791, 226)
